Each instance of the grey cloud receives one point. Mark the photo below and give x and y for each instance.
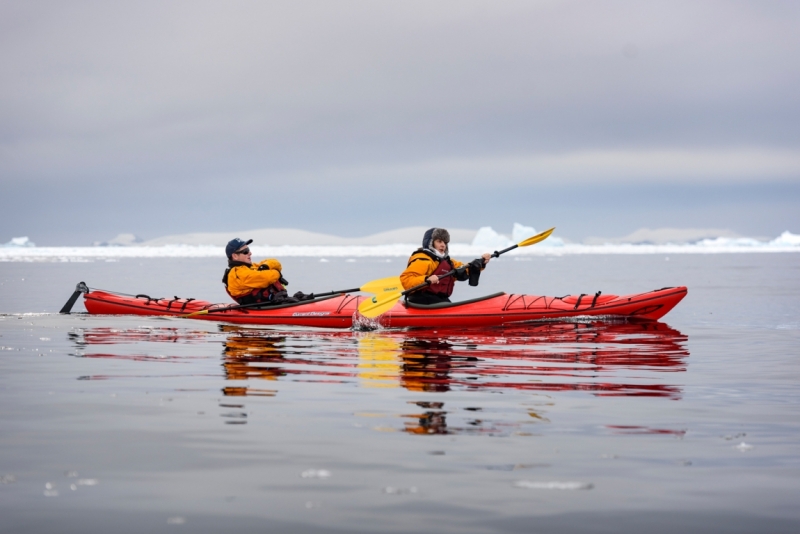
(256, 88)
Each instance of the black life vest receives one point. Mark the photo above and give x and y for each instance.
(270, 293)
(446, 285)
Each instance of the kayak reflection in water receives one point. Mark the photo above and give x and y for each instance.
(430, 262)
(250, 283)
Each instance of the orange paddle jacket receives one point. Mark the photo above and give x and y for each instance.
(243, 279)
(420, 267)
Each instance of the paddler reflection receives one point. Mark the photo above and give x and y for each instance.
(250, 354)
(415, 364)
(427, 364)
(432, 421)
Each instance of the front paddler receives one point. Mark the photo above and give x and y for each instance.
(431, 261)
(250, 283)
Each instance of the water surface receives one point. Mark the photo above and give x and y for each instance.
(130, 423)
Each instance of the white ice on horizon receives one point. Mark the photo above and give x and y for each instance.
(486, 240)
(71, 254)
(19, 242)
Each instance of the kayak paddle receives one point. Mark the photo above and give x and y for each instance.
(384, 285)
(377, 305)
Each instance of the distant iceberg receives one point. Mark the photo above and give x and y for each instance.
(19, 242)
(122, 240)
(786, 239)
(487, 238)
(520, 232)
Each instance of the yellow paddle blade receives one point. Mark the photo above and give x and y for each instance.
(379, 304)
(384, 285)
(201, 312)
(537, 238)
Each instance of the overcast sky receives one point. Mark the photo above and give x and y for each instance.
(352, 118)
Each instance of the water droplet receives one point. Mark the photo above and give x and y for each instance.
(553, 485)
(315, 473)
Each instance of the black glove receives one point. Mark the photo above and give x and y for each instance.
(283, 280)
(461, 273)
(475, 267)
(263, 267)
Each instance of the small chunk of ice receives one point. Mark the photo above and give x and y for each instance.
(553, 485)
(315, 473)
(391, 490)
(743, 447)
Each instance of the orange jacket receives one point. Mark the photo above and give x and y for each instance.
(244, 278)
(420, 267)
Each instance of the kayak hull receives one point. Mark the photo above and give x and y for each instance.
(340, 311)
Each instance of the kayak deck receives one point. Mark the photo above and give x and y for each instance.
(340, 311)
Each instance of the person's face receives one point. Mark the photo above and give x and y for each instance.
(243, 255)
(439, 245)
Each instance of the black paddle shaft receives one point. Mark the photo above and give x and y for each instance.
(256, 304)
(496, 254)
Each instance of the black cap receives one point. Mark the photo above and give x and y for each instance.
(234, 245)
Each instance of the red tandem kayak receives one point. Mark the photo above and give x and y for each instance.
(340, 311)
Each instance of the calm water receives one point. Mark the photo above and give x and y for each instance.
(124, 424)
